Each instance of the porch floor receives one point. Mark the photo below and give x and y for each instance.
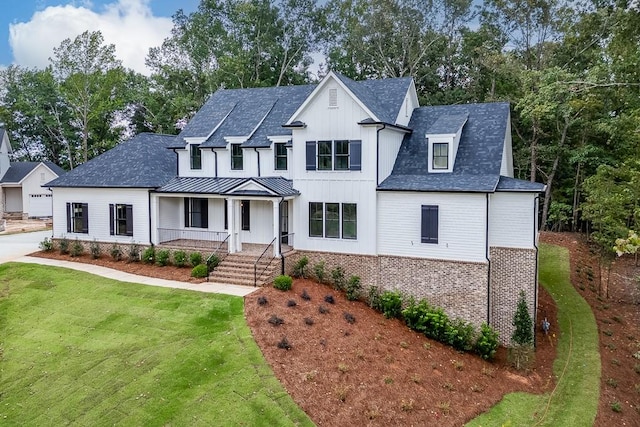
(249, 249)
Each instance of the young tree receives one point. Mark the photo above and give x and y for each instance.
(523, 333)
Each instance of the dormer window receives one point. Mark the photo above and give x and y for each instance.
(236, 157)
(441, 155)
(196, 157)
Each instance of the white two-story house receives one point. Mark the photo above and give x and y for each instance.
(355, 174)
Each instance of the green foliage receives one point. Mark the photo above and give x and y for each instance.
(195, 258)
(200, 271)
(318, 270)
(521, 357)
(373, 298)
(162, 257)
(76, 248)
(213, 261)
(523, 333)
(436, 324)
(415, 315)
(460, 335)
(133, 253)
(63, 245)
(337, 274)
(300, 267)
(487, 343)
(180, 258)
(283, 282)
(391, 304)
(95, 250)
(354, 287)
(116, 252)
(149, 255)
(46, 245)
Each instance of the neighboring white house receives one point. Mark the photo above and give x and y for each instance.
(356, 174)
(21, 191)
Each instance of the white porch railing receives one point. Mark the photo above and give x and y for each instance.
(191, 237)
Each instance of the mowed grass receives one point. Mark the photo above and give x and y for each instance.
(574, 402)
(80, 349)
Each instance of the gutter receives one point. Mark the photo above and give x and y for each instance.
(149, 207)
(384, 125)
(486, 236)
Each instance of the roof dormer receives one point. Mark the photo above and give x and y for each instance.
(443, 138)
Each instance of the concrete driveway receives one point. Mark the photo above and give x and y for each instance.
(14, 246)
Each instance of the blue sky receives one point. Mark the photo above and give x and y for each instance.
(29, 29)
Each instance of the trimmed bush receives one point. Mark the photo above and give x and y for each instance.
(283, 282)
(46, 245)
(291, 303)
(116, 252)
(195, 258)
(262, 300)
(337, 274)
(94, 249)
(373, 298)
(213, 261)
(162, 257)
(133, 254)
(305, 296)
(350, 318)
(180, 258)
(353, 288)
(76, 248)
(149, 255)
(436, 324)
(415, 315)
(275, 320)
(329, 299)
(63, 245)
(199, 271)
(318, 270)
(300, 267)
(391, 304)
(487, 342)
(284, 344)
(460, 335)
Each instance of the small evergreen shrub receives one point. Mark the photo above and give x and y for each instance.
(76, 248)
(350, 318)
(46, 245)
(63, 245)
(291, 303)
(329, 299)
(284, 344)
(305, 296)
(373, 298)
(283, 282)
(487, 342)
(213, 261)
(95, 250)
(523, 333)
(391, 304)
(262, 300)
(199, 271)
(149, 255)
(133, 254)
(180, 258)
(318, 270)
(308, 321)
(300, 267)
(116, 252)
(323, 310)
(353, 288)
(162, 257)
(195, 258)
(460, 335)
(337, 274)
(275, 320)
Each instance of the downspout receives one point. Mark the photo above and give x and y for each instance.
(177, 162)
(384, 125)
(536, 204)
(486, 236)
(279, 236)
(215, 160)
(257, 154)
(149, 206)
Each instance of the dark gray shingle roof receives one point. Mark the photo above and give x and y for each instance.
(448, 124)
(512, 184)
(479, 157)
(195, 185)
(141, 162)
(19, 170)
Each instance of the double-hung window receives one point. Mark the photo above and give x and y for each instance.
(120, 220)
(280, 156)
(325, 155)
(195, 157)
(196, 212)
(342, 155)
(236, 157)
(440, 155)
(333, 220)
(338, 155)
(77, 218)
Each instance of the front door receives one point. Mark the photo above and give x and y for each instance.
(284, 222)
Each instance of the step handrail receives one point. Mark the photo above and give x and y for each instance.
(255, 264)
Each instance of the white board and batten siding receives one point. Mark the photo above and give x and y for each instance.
(98, 201)
(512, 220)
(461, 225)
(388, 147)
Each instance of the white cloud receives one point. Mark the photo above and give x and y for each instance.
(128, 24)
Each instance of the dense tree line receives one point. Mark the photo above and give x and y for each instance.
(571, 71)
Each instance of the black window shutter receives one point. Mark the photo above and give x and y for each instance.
(187, 221)
(111, 219)
(129, 222)
(68, 217)
(311, 155)
(355, 155)
(85, 217)
(429, 224)
(204, 211)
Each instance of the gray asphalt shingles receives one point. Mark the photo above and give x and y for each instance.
(19, 170)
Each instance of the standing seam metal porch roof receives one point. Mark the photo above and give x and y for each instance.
(226, 186)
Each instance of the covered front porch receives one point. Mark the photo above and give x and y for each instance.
(224, 215)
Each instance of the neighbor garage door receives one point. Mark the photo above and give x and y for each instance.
(40, 205)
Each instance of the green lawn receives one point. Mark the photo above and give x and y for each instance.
(84, 350)
(577, 367)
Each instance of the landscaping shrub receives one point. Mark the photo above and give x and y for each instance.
(262, 300)
(353, 288)
(195, 258)
(323, 310)
(275, 320)
(337, 274)
(149, 255)
(213, 261)
(133, 254)
(308, 321)
(318, 270)
(116, 252)
(300, 267)
(391, 304)
(283, 282)
(523, 333)
(284, 344)
(350, 318)
(373, 298)
(180, 258)
(415, 315)
(436, 324)
(199, 271)
(305, 296)
(76, 248)
(63, 245)
(487, 342)
(460, 335)
(95, 250)
(46, 245)
(162, 257)
(291, 303)
(329, 299)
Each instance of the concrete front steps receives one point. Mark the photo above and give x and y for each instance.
(238, 269)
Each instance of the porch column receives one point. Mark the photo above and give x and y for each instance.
(232, 226)
(276, 227)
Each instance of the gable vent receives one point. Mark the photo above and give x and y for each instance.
(333, 97)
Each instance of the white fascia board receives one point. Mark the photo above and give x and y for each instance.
(280, 138)
(195, 139)
(322, 84)
(250, 183)
(236, 139)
